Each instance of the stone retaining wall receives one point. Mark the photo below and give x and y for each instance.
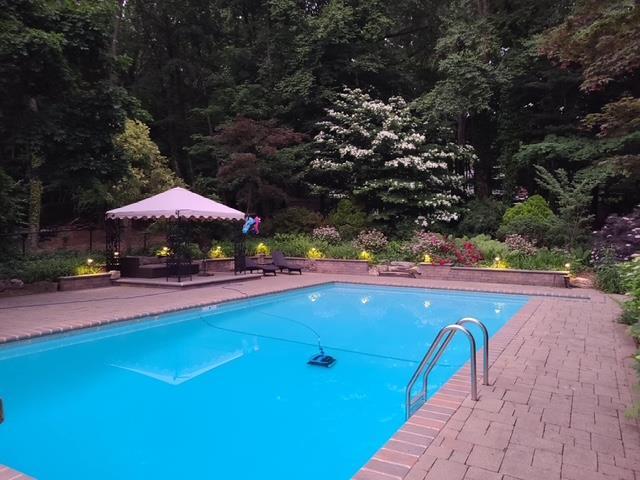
(82, 282)
(219, 265)
(489, 275)
(330, 265)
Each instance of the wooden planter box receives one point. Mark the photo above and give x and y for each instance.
(540, 278)
(81, 282)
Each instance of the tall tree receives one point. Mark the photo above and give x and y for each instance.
(59, 109)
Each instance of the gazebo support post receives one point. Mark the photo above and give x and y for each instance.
(113, 231)
(178, 237)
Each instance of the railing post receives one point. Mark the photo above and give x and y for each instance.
(485, 342)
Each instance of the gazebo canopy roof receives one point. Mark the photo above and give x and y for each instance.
(174, 203)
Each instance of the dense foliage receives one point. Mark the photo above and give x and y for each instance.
(408, 108)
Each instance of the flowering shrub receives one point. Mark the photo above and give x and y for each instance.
(326, 234)
(468, 254)
(620, 235)
(378, 150)
(163, 252)
(428, 243)
(519, 244)
(435, 249)
(371, 240)
(314, 254)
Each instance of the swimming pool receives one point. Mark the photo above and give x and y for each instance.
(225, 392)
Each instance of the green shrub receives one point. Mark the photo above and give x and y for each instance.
(294, 245)
(532, 219)
(343, 251)
(609, 279)
(482, 216)
(395, 251)
(543, 259)
(296, 220)
(348, 218)
(48, 269)
(489, 247)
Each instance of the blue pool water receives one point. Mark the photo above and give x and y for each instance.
(220, 393)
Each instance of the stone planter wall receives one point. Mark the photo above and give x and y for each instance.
(331, 265)
(489, 275)
(81, 282)
(219, 265)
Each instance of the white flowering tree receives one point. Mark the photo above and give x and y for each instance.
(376, 151)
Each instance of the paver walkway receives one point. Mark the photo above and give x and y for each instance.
(561, 380)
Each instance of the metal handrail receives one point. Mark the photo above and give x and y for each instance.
(485, 345)
(437, 349)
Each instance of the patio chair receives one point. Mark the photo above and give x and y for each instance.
(282, 263)
(266, 268)
(243, 264)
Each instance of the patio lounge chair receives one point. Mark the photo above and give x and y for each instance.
(283, 264)
(243, 264)
(266, 268)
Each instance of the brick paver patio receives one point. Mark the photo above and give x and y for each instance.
(560, 382)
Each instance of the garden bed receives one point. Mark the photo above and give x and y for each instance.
(540, 278)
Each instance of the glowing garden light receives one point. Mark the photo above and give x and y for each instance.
(364, 255)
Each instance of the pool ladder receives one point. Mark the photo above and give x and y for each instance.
(438, 347)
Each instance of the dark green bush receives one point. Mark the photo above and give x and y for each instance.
(609, 279)
(532, 219)
(348, 218)
(294, 245)
(482, 217)
(295, 220)
(49, 266)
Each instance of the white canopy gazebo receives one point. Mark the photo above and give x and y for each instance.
(177, 204)
(173, 204)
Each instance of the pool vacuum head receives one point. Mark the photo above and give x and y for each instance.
(322, 360)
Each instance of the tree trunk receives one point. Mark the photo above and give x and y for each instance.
(35, 184)
(122, 4)
(35, 207)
